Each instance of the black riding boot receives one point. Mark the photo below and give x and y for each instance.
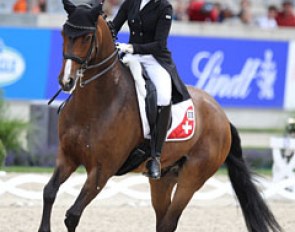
(154, 165)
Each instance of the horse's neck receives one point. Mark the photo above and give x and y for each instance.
(105, 95)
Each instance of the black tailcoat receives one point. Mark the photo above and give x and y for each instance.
(149, 30)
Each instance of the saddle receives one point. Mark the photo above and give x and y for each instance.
(182, 122)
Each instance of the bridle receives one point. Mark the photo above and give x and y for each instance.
(84, 62)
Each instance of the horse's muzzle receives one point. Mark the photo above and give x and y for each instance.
(69, 85)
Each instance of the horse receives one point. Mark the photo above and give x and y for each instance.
(99, 127)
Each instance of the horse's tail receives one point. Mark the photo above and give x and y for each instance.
(257, 215)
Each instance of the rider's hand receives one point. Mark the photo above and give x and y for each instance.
(126, 48)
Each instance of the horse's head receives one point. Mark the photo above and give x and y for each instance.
(81, 34)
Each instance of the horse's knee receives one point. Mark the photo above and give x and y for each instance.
(72, 221)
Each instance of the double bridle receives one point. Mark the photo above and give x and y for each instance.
(84, 62)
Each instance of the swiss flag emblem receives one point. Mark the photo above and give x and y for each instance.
(185, 128)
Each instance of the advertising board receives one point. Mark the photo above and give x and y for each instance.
(238, 73)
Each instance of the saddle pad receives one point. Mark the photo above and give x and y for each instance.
(183, 114)
(183, 121)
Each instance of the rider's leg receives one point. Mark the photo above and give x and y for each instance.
(162, 81)
(153, 165)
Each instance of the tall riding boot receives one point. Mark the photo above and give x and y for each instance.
(154, 165)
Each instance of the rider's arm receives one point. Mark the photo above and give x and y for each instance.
(161, 34)
(121, 16)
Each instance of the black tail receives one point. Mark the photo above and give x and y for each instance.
(257, 215)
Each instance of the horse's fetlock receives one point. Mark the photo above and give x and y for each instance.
(72, 221)
(44, 230)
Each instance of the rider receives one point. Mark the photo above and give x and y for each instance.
(149, 24)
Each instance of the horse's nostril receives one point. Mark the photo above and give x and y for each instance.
(71, 82)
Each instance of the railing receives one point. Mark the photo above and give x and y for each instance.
(284, 161)
(133, 186)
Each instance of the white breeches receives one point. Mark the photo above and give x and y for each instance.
(159, 76)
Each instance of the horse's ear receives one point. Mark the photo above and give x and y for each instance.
(96, 11)
(69, 6)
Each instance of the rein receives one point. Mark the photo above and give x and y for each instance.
(104, 71)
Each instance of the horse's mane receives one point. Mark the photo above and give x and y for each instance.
(112, 29)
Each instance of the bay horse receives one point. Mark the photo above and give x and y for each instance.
(100, 126)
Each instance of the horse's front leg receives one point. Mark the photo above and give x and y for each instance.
(61, 173)
(93, 185)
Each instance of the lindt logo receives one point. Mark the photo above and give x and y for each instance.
(12, 65)
(235, 86)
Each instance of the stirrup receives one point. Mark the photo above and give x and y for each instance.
(154, 168)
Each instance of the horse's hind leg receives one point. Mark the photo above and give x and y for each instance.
(62, 171)
(190, 179)
(94, 183)
(161, 191)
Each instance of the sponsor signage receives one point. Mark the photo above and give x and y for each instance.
(24, 59)
(12, 65)
(236, 72)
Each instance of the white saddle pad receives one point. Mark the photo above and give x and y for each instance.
(183, 113)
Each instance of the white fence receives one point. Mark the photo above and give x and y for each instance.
(283, 170)
(29, 186)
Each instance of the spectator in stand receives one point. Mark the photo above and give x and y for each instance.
(179, 12)
(286, 17)
(20, 6)
(40, 7)
(245, 14)
(199, 10)
(224, 12)
(111, 7)
(268, 21)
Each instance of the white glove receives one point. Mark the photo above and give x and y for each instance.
(125, 48)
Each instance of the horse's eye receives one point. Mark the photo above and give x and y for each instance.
(87, 38)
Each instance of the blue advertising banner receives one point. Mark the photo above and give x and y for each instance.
(55, 63)
(236, 72)
(24, 58)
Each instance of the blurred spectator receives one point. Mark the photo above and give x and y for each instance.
(40, 7)
(20, 6)
(286, 17)
(179, 11)
(224, 12)
(268, 21)
(111, 7)
(199, 10)
(245, 14)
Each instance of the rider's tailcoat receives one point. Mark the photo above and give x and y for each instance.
(149, 30)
